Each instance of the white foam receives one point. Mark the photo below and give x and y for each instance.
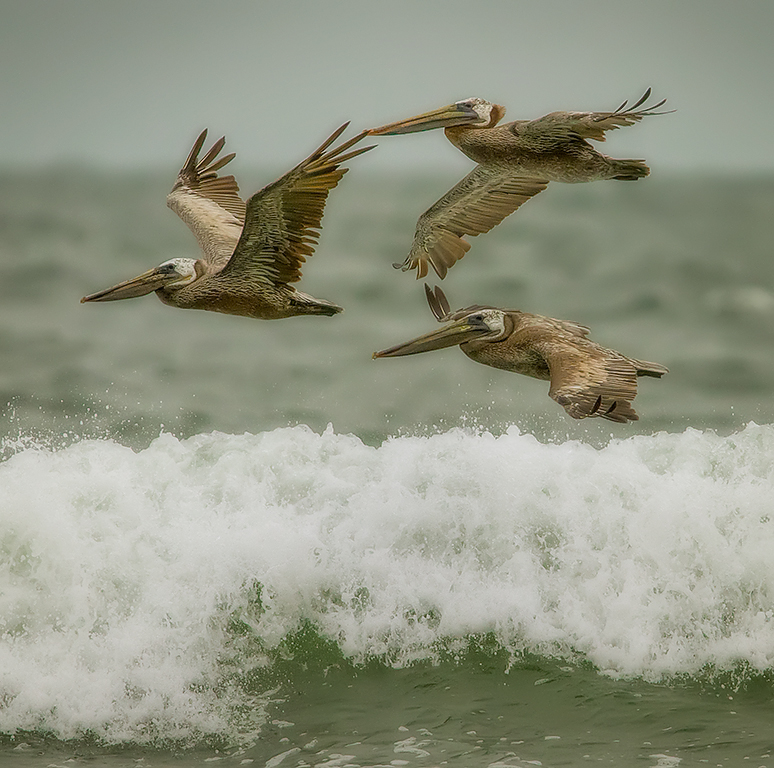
(120, 571)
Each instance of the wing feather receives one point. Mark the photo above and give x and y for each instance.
(560, 127)
(473, 206)
(439, 306)
(283, 219)
(592, 381)
(209, 204)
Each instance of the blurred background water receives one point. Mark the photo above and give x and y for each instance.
(676, 270)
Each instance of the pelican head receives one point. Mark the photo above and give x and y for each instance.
(169, 276)
(473, 112)
(482, 326)
(488, 114)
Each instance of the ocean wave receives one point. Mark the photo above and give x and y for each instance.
(164, 585)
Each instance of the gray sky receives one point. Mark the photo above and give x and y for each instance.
(130, 84)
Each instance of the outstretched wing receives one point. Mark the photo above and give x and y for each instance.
(209, 204)
(561, 127)
(479, 202)
(283, 219)
(592, 381)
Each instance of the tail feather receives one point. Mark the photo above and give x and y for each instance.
(629, 170)
(309, 305)
(323, 309)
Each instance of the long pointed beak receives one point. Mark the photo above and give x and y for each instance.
(145, 283)
(445, 117)
(450, 335)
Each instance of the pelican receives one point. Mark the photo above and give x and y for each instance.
(252, 252)
(586, 378)
(515, 161)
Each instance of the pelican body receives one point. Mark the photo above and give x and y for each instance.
(251, 253)
(586, 378)
(516, 161)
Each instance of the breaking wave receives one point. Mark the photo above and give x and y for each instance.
(164, 585)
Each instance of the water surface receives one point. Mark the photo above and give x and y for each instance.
(247, 542)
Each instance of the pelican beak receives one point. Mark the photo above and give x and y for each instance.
(449, 336)
(145, 283)
(445, 117)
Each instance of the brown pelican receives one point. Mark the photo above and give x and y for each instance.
(586, 378)
(251, 252)
(515, 161)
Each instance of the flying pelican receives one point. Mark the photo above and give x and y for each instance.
(586, 378)
(515, 161)
(251, 252)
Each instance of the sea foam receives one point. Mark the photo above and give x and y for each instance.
(138, 590)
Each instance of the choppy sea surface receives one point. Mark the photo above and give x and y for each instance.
(248, 543)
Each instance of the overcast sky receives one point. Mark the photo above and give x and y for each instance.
(130, 84)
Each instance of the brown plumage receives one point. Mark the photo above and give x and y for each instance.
(586, 378)
(251, 253)
(515, 161)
